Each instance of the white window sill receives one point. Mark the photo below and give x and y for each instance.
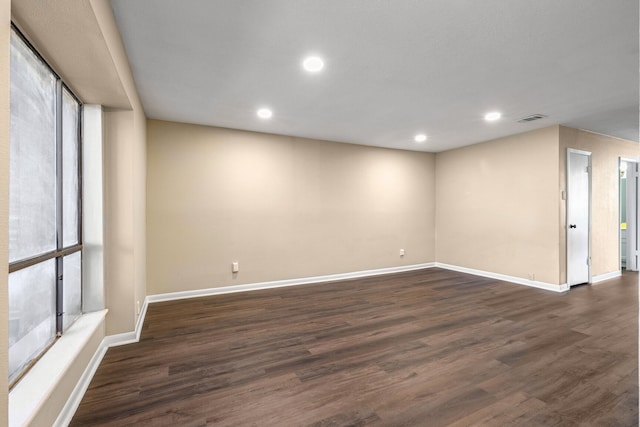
(28, 396)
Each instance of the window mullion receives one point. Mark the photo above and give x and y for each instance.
(59, 210)
(79, 150)
(19, 265)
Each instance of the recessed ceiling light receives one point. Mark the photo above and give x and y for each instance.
(493, 116)
(265, 113)
(421, 137)
(313, 64)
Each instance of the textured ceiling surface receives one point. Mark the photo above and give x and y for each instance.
(392, 68)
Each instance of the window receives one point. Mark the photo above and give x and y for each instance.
(45, 248)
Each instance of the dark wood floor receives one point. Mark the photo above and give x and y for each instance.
(424, 348)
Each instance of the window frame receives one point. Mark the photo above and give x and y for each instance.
(61, 251)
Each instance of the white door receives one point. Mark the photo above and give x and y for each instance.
(578, 212)
(632, 217)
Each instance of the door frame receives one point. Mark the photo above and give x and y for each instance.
(621, 159)
(566, 225)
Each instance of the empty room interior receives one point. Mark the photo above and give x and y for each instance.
(319, 213)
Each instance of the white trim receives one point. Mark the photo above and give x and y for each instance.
(31, 392)
(630, 159)
(631, 207)
(92, 208)
(120, 339)
(577, 151)
(606, 276)
(281, 283)
(520, 281)
(141, 316)
(70, 408)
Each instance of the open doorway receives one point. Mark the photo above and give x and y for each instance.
(629, 236)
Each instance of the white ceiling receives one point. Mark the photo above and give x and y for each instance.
(392, 68)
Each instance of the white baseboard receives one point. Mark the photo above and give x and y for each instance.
(533, 283)
(606, 276)
(65, 416)
(70, 408)
(141, 316)
(119, 339)
(281, 283)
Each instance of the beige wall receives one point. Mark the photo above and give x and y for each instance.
(119, 226)
(5, 27)
(497, 206)
(125, 191)
(605, 214)
(289, 208)
(125, 175)
(282, 207)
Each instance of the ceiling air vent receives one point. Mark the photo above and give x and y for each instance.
(531, 118)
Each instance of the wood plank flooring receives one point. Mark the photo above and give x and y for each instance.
(425, 348)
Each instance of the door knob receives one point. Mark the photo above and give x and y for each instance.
(572, 226)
